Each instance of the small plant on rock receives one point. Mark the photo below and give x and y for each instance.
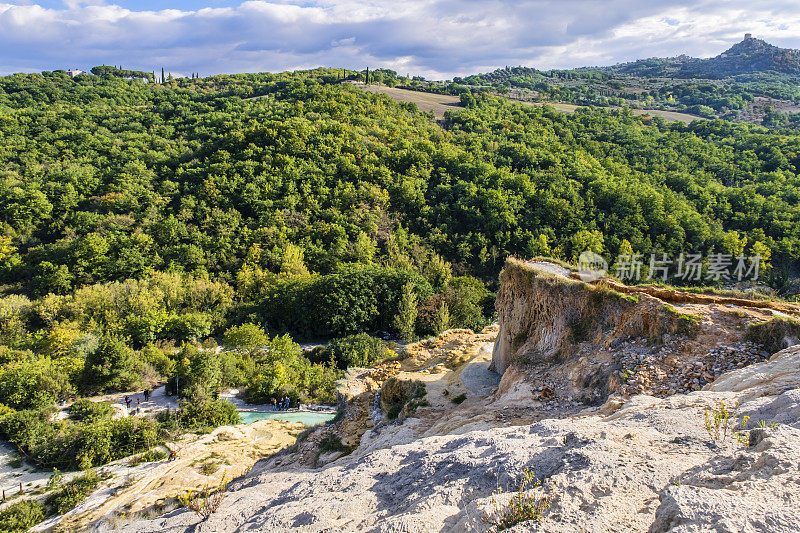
(459, 399)
(205, 501)
(723, 421)
(763, 425)
(521, 508)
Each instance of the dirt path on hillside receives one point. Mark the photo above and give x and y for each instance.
(477, 377)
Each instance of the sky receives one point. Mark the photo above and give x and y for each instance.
(437, 39)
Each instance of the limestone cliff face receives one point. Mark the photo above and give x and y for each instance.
(549, 321)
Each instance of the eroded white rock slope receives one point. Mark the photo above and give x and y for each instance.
(650, 466)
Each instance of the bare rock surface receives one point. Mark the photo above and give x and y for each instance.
(649, 466)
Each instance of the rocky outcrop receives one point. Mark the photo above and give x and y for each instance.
(576, 341)
(771, 378)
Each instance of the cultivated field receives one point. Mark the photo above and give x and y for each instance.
(754, 111)
(669, 116)
(437, 103)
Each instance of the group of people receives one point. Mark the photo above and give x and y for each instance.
(281, 404)
(129, 401)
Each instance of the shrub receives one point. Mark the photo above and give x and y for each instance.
(168, 421)
(203, 376)
(723, 422)
(270, 383)
(468, 301)
(191, 326)
(21, 516)
(398, 396)
(774, 334)
(71, 445)
(86, 410)
(247, 335)
(346, 302)
(332, 443)
(360, 350)
(71, 494)
(112, 367)
(458, 399)
(158, 360)
(33, 384)
(285, 371)
(208, 414)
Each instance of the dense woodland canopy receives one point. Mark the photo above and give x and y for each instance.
(137, 217)
(108, 179)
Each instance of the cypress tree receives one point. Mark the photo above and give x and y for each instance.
(406, 313)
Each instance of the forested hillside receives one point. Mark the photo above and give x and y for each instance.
(137, 214)
(750, 73)
(750, 56)
(107, 180)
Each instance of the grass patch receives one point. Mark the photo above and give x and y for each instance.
(458, 400)
(150, 456)
(687, 324)
(774, 334)
(21, 516)
(209, 468)
(71, 494)
(332, 443)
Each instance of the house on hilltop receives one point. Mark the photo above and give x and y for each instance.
(74, 72)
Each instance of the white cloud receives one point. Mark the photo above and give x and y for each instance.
(438, 38)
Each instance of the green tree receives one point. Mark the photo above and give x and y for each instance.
(583, 240)
(113, 366)
(247, 335)
(466, 298)
(406, 316)
(441, 319)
